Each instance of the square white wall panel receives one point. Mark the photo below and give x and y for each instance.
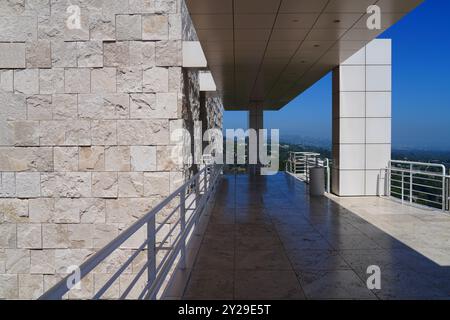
(375, 182)
(378, 78)
(352, 130)
(378, 104)
(352, 78)
(351, 182)
(379, 51)
(377, 156)
(352, 104)
(359, 58)
(352, 156)
(378, 130)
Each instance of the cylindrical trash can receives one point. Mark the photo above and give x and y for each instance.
(317, 181)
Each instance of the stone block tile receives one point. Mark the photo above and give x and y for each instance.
(116, 54)
(26, 159)
(55, 236)
(129, 79)
(128, 27)
(77, 80)
(26, 133)
(31, 287)
(156, 184)
(169, 53)
(38, 54)
(8, 235)
(9, 286)
(90, 54)
(102, 27)
(155, 27)
(65, 106)
(66, 184)
(12, 55)
(156, 79)
(117, 158)
(81, 235)
(131, 184)
(42, 261)
(17, 261)
(143, 132)
(104, 80)
(28, 184)
(143, 106)
(29, 236)
(18, 29)
(103, 107)
(65, 159)
(39, 107)
(104, 132)
(64, 54)
(143, 158)
(104, 184)
(92, 158)
(66, 258)
(65, 133)
(142, 54)
(13, 106)
(26, 81)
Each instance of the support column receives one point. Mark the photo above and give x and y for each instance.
(362, 93)
(256, 122)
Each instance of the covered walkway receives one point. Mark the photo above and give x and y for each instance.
(267, 239)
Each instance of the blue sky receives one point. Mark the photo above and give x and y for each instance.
(421, 87)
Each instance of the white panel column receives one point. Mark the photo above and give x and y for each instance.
(362, 93)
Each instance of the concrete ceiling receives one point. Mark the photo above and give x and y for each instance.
(267, 52)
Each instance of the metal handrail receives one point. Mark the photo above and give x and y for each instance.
(210, 174)
(300, 163)
(419, 182)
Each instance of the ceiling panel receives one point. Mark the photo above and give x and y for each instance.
(259, 50)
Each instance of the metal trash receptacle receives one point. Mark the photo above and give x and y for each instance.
(317, 181)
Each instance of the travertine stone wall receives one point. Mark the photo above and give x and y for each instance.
(85, 122)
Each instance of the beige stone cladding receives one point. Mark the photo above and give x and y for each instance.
(85, 120)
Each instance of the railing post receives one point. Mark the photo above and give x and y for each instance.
(151, 251)
(183, 227)
(410, 183)
(403, 185)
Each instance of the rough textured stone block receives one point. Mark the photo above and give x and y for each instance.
(143, 132)
(26, 159)
(14, 210)
(128, 27)
(28, 184)
(7, 80)
(167, 105)
(13, 106)
(42, 262)
(6, 133)
(30, 286)
(142, 6)
(108, 106)
(19, 29)
(70, 257)
(175, 27)
(12, 55)
(38, 54)
(166, 6)
(156, 79)
(51, 81)
(143, 106)
(17, 261)
(39, 107)
(155, 27)
(92, 210)
(127, 210)
(129, 79)
(175, 80)
(142, 54)
(103, 80)
(104, 132)
(8, 235)
(26, 133)
(168, 53)
(102, 27)
(176, 180)
(65, 133)
(41, 210)
(92, 159)
(116, 54)
(12, 7)
(168, 158)
(143, 158)
(26, 81)
(156, 184)
(104, 184)
(9, 286)
(90, 54)
(29, 236)
(117, 159)
(66, 211)
(65, 106)
(81, 235)
(64, 54)
(131, 184)
(77, 80)
(7, 185)
(66, 184)
(104, 233)
(55, 236)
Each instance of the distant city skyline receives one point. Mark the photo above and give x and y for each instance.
(421, 88)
